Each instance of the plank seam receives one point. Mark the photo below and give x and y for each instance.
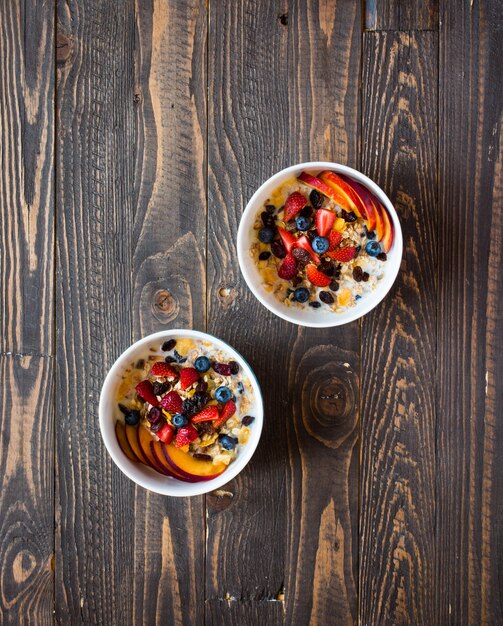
(15, 355)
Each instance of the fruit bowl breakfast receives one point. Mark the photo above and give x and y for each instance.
(319, 244)
(181, 412)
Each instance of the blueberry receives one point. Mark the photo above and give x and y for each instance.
(303, 223)
(370, 233)
(373, 248)
(316, 199)
(223, 394)
(202, 364)
(178, 420)
(320, 244)
(301, 294)
(358, 297)
(266, 234)
(227, 442)
(132, 418)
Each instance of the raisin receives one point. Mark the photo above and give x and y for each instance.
(357, 273)
(170, 359)
(179, 358)
(334, 285)
(139, 364)
(124, 409)
(357, 251)
(307, 211)
(202, 386)
(267, 219)
(160, 388)
(382, 256)
(365, 277)
(157, 426)
(315, 304)
(247, 420)
(168, 345)
(301, 255)
(270, 208)
(206, 428)
(263, 256)
(316, 199)
(348, 217)
(202, 457)
(222, 368)
(278, 249)
(296, 281)
(234, 367)
(154, 415)
(326, 268)
(326, 297)
(311, 234)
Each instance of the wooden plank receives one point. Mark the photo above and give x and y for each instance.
(26, 313)
(401, 15)
(128, 185)
(27, 488)
(470, 346)
(306, 111)
(397, 521)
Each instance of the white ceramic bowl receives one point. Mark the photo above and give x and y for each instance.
(143, 475)
(307, 316)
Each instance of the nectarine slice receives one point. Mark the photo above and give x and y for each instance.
(133, 442)
(350, 199)
(315, 183)
(387, 238)
(120, 433)
(366, 198)
(189, 467)
(144, 438)
(155, 449)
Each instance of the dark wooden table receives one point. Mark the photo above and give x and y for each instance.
(131, 137)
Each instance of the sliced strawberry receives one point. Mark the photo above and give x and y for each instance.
(228, 411)
(303, 242)
(288, 239)
(288, 267)
(188, 376)
(324, 221)
(334, 239)
(317, 278)
(172, 402)
(206, 415)
(163, 369)
(185, 435)
(343, 254)
(293, 205)
(146, 391)
(165, 433)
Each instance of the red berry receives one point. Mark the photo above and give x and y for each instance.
(334, 239)
(293, 205)
(188, 376)
(165, 433)
(288, 267)
(288, 239)
(304, 243)
(172, 402)
(185, 435)
(343, 254)
(163, 369)
(206, 415)
(324, 221)
(228, 411)
(146, 391)
(317, 278)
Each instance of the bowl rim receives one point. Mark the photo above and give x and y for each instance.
(367, 304)
(189, 489)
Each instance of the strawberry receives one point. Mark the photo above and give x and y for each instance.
(188, 376)
(165, 433)
(228, 411)
(294, 203)
(288, 239)
(185, 435)
(163, 369)
(288, 267)
(324, 221)
(343, 254)
(303, 242)
(172, 402)
(146, 391)
(335, 239)
(206, 415)
(317, 278)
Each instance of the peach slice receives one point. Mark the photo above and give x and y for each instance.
(185, 464)
(345, 191)
(156, 451)
(120, 433)
(367, 198)
(379, 210)
(132, 439)
(144, 438)
(387, 238)
(315, 183)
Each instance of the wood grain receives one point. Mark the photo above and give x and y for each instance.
(130, 188)
(257, 126)
(26, 313)
(470, 343)
(398, 462)
(401, 14)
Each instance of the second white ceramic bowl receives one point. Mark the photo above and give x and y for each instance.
(146, 476)
(308, 316)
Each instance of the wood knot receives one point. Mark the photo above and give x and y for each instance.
(63, 48)
(164, 306)
(137, 98)
(219, 500)
(227, 295)
(283, 18)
